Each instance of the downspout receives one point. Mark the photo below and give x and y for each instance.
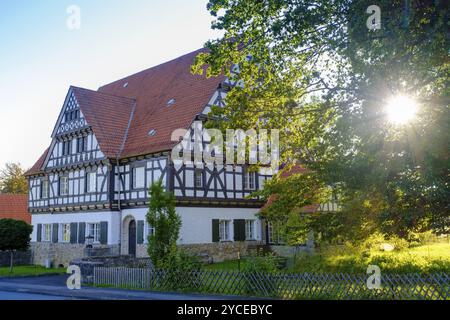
(122, 146)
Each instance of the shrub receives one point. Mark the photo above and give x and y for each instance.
(261, 262)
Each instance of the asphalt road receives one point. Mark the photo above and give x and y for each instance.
(28, 296)
(53, 287)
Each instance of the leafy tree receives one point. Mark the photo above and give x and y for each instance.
(14, 235)
(12, 179)
(163, 217)
(316, 72)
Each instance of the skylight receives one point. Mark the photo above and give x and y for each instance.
(125, 84)
(170, 102)
(152, 132)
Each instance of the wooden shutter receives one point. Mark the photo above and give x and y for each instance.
(215, 230)
(81, 232)
(140, 232)
(104, 232)
(39, 233)
(73, 232)
(55, 233)
(239, 230)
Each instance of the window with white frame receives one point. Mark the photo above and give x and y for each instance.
(150, 230)
(224, 230)
(250, 229)
(274, 234)
(93, 230)
(138, 177)
(198, 178)
(46, 232)
(63, 186)
(91, 182)
(65, 232)
(44, 189)
(249, 180)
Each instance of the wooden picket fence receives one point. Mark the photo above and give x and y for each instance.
(280, 285)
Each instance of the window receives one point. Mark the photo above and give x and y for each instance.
(249, 180)
(274, 234)
(93, 230)
(65, 232)
(224, 230)
(198, 178)
(63, 186)
(82, 144)
(270, 233)
(66, 147)
(138, 177)
(71, 115)
(46, 232)
(150, 230)
(250, 230)
(44, 189)
(91, 182)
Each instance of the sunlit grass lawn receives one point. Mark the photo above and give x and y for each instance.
(428, 258)
(29, 271)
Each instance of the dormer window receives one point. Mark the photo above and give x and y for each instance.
(170, 102)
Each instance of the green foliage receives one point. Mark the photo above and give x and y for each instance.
(261, 262)
(14, 235)
(181, 261)
(163, 217)
(355, 259)
(320, 76)
(12, 179)
(26, 271)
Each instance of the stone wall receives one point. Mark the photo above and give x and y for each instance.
(64, 253)
(221, 251)
(58, 253)
(20, 258)
(141, 251)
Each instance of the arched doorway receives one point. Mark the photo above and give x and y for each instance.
(132, 238)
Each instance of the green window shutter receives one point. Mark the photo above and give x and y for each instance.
(81, 232)
(55, 233)
(239, 229)
(104, 232)
(39, 232)
(215, 230)
(140, 232)
(73, 232)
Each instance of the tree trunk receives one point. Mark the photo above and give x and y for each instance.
(11, 261)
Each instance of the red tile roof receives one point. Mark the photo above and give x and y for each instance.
(143, 98)
(37, 167)
(108, 115)
(14, 206)
(152, 89)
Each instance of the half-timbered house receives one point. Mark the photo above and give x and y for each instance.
(108, 146)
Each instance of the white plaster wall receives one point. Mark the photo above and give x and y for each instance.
(113, 219)
(197, 222)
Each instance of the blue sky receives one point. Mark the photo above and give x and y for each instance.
(40, 57)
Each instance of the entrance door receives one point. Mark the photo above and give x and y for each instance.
(132, 238)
